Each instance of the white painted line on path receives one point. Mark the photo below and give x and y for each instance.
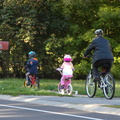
(51, 112)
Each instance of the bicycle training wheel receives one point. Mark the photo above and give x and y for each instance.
(69, 89)
(25, 83)
(38, 82)
(59, 88)
(90, 86)
(109, 89)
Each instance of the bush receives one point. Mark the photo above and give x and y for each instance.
(81, 70)
(115, 70)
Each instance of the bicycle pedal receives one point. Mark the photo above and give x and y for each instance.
(99, 86)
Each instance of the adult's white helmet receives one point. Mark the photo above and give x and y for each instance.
(99, 32)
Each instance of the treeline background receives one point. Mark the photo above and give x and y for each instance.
(53, 28)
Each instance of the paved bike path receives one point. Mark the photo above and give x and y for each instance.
(80, 102)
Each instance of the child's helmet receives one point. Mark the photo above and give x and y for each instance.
(67, 58)
(32, 54)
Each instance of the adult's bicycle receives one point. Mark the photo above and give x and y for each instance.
(106, 83)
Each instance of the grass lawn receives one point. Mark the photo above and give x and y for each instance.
(112, 106)
(14, 86)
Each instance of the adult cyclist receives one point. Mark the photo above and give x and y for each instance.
(101, 53)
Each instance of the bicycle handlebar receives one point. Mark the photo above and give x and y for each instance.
(88, 56)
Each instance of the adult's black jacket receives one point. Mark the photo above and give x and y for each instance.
(101, 48)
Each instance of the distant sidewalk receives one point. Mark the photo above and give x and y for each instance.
(79, 102)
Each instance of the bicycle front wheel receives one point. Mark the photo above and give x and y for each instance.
(109, 88)
(90, 86)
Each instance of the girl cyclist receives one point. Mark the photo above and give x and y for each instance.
(67, 69)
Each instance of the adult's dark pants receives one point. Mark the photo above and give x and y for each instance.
(101, 63)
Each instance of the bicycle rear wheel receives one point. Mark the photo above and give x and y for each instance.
(37, 83)
(90, 86)
(109, 90)
(69, 89)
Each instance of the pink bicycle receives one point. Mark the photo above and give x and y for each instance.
(67, 87)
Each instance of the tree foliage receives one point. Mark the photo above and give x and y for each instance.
(53, 28)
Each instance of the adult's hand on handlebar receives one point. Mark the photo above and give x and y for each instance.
(87, 56)
(84, 56)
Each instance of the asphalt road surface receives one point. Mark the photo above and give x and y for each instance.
(12, 110)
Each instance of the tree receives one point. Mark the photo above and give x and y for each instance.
(53, 28)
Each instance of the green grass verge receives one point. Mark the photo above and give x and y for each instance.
(14, 86)
(112, 106)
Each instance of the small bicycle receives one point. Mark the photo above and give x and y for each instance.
(34, 81)
(106, 83)
(67, 86)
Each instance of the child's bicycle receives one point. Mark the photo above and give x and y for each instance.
(34, 81)
(68, 89)
(106, 83)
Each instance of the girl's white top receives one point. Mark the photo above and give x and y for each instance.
(67, 68)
